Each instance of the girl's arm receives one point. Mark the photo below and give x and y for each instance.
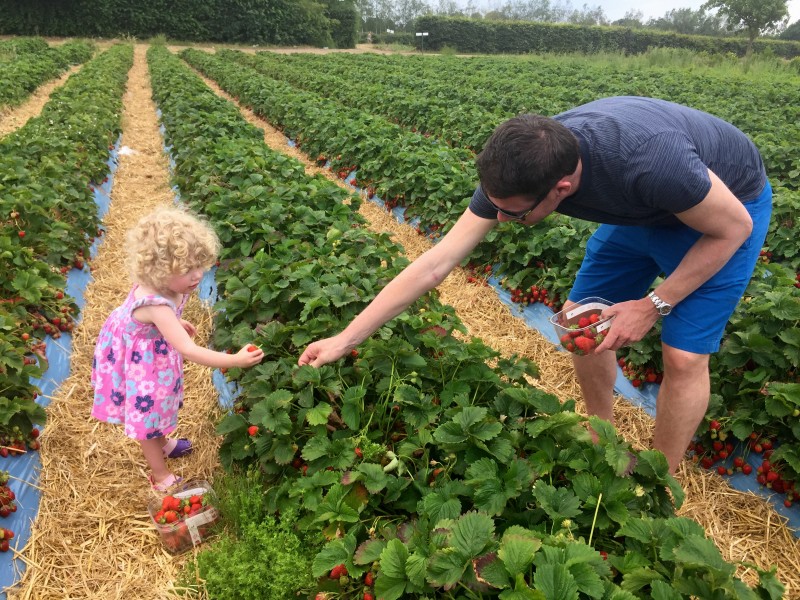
(173, 331)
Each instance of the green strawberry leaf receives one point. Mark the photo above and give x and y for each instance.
(319, 414)
(555, 582)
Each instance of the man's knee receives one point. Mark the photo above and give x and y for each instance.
(682, 363)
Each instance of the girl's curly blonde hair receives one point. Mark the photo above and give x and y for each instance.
(169, 241)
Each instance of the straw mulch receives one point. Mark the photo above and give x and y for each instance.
(744, 526)
(93, 537)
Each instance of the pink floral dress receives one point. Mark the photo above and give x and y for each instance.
(137, 376)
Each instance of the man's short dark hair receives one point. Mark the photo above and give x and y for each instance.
(527, 156)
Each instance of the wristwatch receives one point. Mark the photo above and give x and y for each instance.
(662, 307)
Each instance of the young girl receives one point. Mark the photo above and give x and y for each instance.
(137, 371)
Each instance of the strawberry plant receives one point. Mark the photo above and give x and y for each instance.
(48, 218)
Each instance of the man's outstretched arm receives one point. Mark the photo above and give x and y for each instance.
(422, 275)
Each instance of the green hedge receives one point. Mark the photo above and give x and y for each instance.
(279, 22)
(508, 37)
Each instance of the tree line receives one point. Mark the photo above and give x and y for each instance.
(714, 18)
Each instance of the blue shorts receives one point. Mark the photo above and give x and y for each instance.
(621, 263)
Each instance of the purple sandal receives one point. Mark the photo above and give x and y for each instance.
(182, 447)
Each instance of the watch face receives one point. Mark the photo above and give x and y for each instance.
(665, 310)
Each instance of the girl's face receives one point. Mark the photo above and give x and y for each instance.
(187, 282)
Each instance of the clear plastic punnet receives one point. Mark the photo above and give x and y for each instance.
(582, 328)
(184, 517)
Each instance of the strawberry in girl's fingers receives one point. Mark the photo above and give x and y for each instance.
(250, 355)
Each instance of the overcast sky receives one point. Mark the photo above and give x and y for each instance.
(616, 9)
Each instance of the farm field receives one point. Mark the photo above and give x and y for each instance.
(304, 250)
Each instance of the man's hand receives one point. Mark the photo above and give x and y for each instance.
(632, 320)
(190, 329)
(323, 352)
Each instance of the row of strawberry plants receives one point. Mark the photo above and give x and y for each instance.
(386, 91)
(48, 220)
(545, 259)
(393, 162)
(430, 180)
(404, 99)
(21, 76)
(460, 100)
(431, 472)
(13, 47)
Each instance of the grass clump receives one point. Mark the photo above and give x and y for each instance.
(257, 556)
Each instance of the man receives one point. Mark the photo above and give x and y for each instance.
(678, 193)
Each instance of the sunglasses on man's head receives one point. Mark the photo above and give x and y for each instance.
(517, 216)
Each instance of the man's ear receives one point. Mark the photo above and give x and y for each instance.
(564, 187)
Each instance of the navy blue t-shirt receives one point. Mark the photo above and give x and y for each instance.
(646, 159)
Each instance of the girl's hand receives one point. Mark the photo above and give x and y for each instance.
(248, 356)
(189, 328)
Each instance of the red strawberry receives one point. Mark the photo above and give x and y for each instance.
(252, 348)
(338, 571)
(368, 596)
(369, 579)
(359, 453)
(252, 430)
(584, 322)
(170, 516)
(594, 318)
(584, 344)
